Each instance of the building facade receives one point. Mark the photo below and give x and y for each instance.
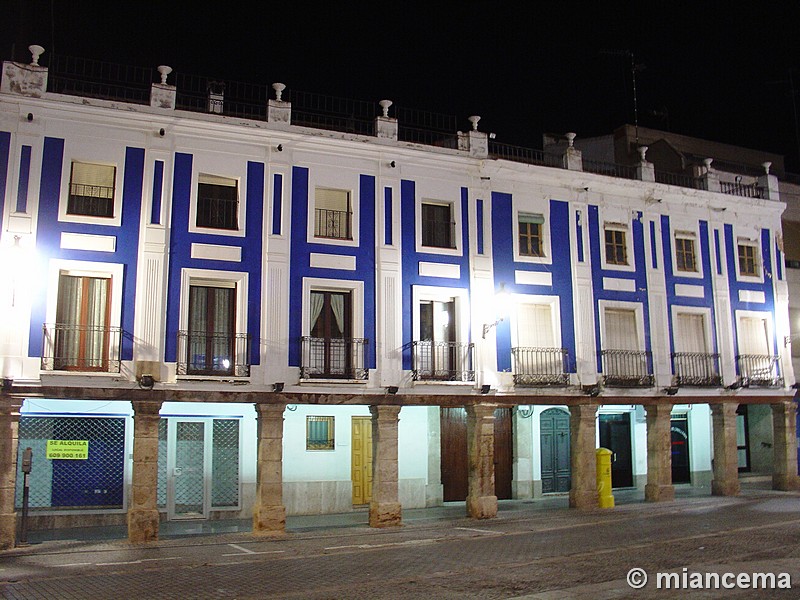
(215, 309)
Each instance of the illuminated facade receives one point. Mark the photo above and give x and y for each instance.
(268, 312)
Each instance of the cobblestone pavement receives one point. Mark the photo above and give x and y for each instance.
(533, 554)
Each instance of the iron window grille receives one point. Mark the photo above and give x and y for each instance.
(320, 433)
(213, 354)
(333, 358)
(218, 206)
(438, 228)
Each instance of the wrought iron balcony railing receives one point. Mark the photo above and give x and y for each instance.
(442, 361)
(759, 370)
(627, 368)
(216, 355)
(333, 358)
(67, 347)
(333, 224)
(540, 366)
(697, 369)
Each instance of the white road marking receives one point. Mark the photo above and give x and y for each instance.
(478, 530)
(367, 546)
(136, 562)
(73, 565)
(247, 551)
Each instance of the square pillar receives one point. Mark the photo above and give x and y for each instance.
(583, 462)
(659, 486)
(481, 500)
(726, 456)
(269, 513)
(784, 446)
(9, 434)
(384, 508)
(143, 517)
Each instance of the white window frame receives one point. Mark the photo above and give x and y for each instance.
(626, 229)
(226, 279)
(103, 155)
(356, 290)
(694, 236)
(313, 215)
(753, 243)
(333, 179)
(547, 254)
(426, 293)
(229, 169)
(677, 309)
(638, 310)
(76, 268)
(554, 302)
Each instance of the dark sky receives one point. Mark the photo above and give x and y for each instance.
(718, 70)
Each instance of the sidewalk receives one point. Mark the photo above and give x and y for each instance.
(632, 499)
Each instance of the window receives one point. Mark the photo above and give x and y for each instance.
(332, 214)
(616, 249)
(437, 226)
(217, 202)
(82, 332)
(748, 260)
(685, 259)
(436, 350)
(319, 433)
(91, 190)
(330, 342)
(530, 234)
(211, 332)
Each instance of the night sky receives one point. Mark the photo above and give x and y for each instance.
(722, 71)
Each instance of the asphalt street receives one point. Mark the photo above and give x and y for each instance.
(525, 552)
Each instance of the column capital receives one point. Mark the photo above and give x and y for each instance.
(146, 408)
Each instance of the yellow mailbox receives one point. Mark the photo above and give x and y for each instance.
(605, 499)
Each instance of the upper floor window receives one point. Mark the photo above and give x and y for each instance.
(748, 260)
(530, 234)
(332, 214)
(438, 225)
(91, 190)
(82, 332)
(685, 258)
(217, 202)
(211, 335)
(616, 246)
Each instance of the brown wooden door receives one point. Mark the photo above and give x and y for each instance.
(503, 453)
(455, 460)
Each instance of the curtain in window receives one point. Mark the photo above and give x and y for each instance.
(690, 333)
(82, 322)
(621, 330)
(753, 336)
(535, 330)
(211, 311)
(337, 306)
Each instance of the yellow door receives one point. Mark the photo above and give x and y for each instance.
(362, 460)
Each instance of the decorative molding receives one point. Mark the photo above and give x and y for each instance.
(85, 241)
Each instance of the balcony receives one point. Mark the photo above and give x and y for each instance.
(333, 358)
(758, 370)
(540, 366)
(627, 368)
(442, 361)
(215, 355)
(81, 348)
(696, 369)
(333, 224)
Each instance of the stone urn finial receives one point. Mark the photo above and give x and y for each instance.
(571, 138)
(36, 51)
(642, 153)
(385, 104)
(278, 87)
(164, 70)
(474, 120)
(766, 166)
(707, 162)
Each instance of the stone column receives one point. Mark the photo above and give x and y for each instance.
(659, 486)
(269, 513)
(726, 457)
(143, 514)
(384, 508)
(583, 462)
(481, 500)
(9, 432)
(784, 446)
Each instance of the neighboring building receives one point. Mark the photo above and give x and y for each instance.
(223, 307)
